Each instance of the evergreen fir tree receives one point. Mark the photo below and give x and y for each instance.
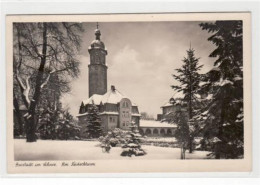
(189, 79)
(223, 116)
(94, 122)
(182, 130)
(133, 143)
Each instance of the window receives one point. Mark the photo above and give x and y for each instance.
(123, 124)
(112, 119)
(125, 105)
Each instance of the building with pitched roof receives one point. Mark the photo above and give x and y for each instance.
(177, 103)
(171, 106)
(116, 110)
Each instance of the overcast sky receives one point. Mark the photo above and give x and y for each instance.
(141, 60)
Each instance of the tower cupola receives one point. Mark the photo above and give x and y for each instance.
(97, 43)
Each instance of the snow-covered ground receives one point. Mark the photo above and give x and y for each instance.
(89, 150)
(161, 139)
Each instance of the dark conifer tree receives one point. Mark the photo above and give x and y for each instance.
(94, 122)
(182, 130)
(223, 116)
(189, 79)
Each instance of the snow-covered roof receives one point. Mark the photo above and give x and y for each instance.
(109, 113)
(176, 102)
(153, 123)
(113, 96)
(97, 44)
(96, 98)
(83, 114)
(167, 104)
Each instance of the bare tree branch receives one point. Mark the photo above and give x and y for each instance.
(27, 90)
(47, 79)
(34, 46)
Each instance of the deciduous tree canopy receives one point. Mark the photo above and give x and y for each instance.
(43, 51)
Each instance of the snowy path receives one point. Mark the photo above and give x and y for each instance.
(89, 150)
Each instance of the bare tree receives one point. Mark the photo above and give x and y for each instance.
(146, 116)
(40, 51)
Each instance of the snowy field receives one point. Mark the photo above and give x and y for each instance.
(161, 139)
(89, 150)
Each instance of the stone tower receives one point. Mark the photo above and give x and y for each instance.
(97, 67)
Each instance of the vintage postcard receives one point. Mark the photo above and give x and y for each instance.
(129, 93)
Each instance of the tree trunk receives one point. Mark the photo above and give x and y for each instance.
(190, 145)
(31, 136)
(218, 145)
(182, 151)
(18, 115)
(190, 114)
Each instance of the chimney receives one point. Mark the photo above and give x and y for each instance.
(113, 88)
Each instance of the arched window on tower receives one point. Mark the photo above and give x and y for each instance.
(125, 104)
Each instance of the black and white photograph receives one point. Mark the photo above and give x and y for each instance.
(128, 91)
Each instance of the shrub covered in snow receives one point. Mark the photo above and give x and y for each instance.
(114, 138)
(129, 140)
(133, 145)
(114, 142)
